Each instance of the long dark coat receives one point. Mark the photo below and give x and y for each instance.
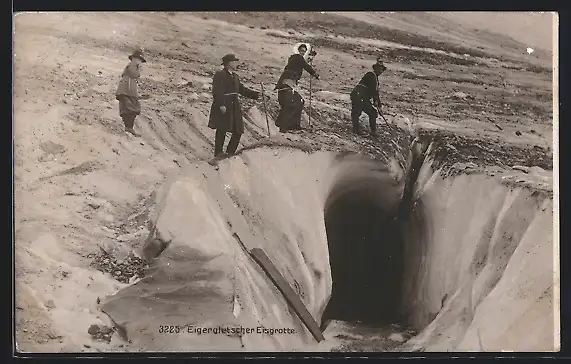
(294, 69)
(225, 90)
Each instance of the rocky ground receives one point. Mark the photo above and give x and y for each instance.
(82, 185)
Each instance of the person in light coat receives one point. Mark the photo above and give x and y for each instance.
(127, 91)
(226, 112)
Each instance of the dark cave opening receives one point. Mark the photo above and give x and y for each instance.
(366, 254)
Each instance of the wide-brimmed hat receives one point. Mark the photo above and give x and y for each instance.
(229, 58)
(139, 54)
(380, 65)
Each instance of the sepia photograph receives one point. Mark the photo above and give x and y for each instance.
(311, 182)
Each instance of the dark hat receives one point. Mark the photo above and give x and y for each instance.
(229, 58)
(379, 64)
(139, 54)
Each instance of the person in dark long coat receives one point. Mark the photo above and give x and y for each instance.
(226, 112)
(291, 102)
(127, 93)
(366, 90)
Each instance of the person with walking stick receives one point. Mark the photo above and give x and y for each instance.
(290, 100)
(226, 112)
(366, 90)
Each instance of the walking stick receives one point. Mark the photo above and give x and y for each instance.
(310, 92)
(381, 114)
(265, 109)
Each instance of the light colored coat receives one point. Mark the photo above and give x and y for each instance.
(128, 85)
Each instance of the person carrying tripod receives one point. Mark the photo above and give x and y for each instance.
(290, 100)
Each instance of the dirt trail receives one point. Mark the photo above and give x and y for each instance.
(82, 184)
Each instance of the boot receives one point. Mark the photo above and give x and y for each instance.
(132, 131)
(129, 121)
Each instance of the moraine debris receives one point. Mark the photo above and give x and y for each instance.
(101, 333)
(124, 271)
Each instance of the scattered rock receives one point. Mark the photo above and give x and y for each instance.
(94, 205)
(93, 329)
(521, 168)
(193, 97)
(466, 166)
(460, 95)
(451, 147)
(518, 133)
(532, 131)
(398, 337)
(100, 333)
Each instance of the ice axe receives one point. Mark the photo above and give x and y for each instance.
(381, 114)
(378, 108)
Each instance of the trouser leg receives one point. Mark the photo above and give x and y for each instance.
(356, 110)
(219, 141)
(283, 100)
(128, 120)
(233, 143)
(373, 114)
(297, 102)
